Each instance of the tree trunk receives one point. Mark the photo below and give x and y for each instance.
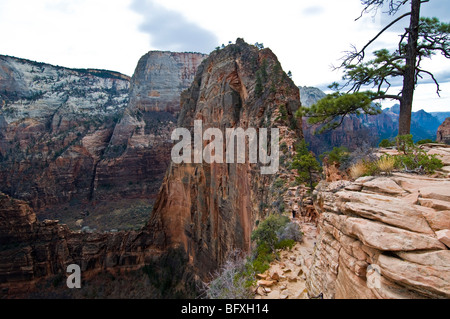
(409, 78)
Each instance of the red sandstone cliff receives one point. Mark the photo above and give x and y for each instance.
(443, 133)
(83, 144)
(202, 212)
(211, 209)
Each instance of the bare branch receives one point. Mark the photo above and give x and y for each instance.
(373, 5)
(438, 89)
(360, 55)
(386, 96)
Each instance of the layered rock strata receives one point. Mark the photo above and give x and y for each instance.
(138, 153)
(203, 211)
(31, 251)
(210, 209)
(382, 237)
(72, 138)
(54, 126)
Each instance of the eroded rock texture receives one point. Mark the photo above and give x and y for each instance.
(393, 224)
(211, 209)
(70, 139)
(203, 211)
(31, 251)
(443, 133)
(138, 153)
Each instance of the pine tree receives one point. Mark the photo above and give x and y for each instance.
(423, 38)
(306, 164)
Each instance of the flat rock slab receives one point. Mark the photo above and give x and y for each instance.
(387, 238)
(433, 281)
(383, 185)
(444, 236)
(391, 211)
(439, 192)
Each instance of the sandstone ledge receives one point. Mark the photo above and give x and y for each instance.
(398, 225)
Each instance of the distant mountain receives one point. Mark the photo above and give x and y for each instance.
(371, 129)
(441, 116)
(310, 95)
(424, 125)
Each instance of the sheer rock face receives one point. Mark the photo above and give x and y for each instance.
(160, 77)
(54, 126)
(139, 151)
(391, 224)
(203, 211)
(81, 136)
(31, 251)
(443, 133)
(211, 209)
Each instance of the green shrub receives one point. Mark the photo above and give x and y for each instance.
(283, 112)
(337, 156)
(258, 86)
(266, 233)
(415, 158)
(425, 141)
(419, 161)
(283, 147)
(386, 143)
(285, 244)
(405, 143)
(278, 183)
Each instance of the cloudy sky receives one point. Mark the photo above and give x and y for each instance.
(307, 36)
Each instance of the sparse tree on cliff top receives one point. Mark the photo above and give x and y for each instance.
(422, 39)
(306, 164)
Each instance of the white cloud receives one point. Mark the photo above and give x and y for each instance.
(307, 36)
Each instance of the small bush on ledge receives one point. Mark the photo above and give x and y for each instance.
(237, 275)
(411, 159)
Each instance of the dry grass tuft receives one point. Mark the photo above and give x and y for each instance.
(386, 164)
(357, 170)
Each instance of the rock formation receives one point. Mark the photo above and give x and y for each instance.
(443, 133)
(210, 209)
(382, 237)
(202, 212)
(54, 125)
(70, 139)
(31, 251)
(138, 153)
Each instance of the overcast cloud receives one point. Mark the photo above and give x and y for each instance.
(170, 30)
(307, 36)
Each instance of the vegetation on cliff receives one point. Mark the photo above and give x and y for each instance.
(237, 275)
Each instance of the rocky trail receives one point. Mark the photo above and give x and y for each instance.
(286, 278)
(313, 267)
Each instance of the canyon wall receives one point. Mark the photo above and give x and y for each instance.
(138, 153)
(202, 212)
(211, 209)
(54, 125)
(74, 141)
(31, 251)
